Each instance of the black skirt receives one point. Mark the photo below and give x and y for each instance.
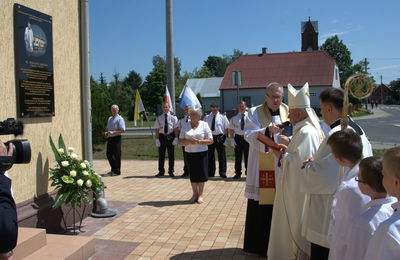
(198, 166)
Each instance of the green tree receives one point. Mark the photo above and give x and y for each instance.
(231, 58)
(127, 96)
(217, 65)
(153, 89)
(200, 99)
(203, 72)
(395, 85)
(339, 51)
(100, 100)
(133, 80)
(102, 79)
(115, 86)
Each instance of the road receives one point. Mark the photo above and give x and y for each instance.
(139, 131)
(383, 127)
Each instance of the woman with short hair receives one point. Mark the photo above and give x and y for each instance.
(195, 137)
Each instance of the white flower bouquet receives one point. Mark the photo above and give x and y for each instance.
(72, 177)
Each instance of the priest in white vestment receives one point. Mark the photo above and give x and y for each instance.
(286, 241)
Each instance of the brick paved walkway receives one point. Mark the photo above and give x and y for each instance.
(158, 222)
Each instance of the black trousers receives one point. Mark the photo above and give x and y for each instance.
(221, 158)
(165, 145)
(241, 148)
(319, 252)
(114, 153)
(257, 228)
(185, 165)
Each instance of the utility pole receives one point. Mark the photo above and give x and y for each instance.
(366, 73)
(170, 52)
(237, 81)
(381, 90)
(365, 66)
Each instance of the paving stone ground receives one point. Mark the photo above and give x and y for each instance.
(156, 221)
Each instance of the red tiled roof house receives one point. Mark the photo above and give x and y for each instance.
(317, 68)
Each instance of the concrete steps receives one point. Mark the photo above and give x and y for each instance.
(34, 244)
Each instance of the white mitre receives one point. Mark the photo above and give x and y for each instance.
(301, 99)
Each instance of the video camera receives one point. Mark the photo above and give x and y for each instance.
(21, 147)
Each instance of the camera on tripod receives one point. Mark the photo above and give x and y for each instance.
(21, 147)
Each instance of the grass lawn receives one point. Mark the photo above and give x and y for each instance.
(144, 148)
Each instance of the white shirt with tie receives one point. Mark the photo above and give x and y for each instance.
(236, 122)
(221, 123)
(160, 122)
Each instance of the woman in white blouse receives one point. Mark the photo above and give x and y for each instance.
(195, 137)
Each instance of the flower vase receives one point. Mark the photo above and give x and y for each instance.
(74, 213)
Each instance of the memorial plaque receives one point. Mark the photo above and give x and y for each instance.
(33, 62)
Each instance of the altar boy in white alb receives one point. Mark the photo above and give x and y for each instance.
(385, 243)
(286, 241)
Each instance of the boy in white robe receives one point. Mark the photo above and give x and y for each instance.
(377, 210)
(385, 243)
(348, 202)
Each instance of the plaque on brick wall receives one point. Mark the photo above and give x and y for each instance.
(33, 38)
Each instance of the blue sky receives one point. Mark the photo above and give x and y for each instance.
(126, 34)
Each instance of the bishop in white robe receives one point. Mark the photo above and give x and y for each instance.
(286, 241)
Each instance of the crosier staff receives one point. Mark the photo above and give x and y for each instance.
(360, 87)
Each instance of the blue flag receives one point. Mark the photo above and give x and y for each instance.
(188, 98)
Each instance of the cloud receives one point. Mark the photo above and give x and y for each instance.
(387, 67)
(330, 34)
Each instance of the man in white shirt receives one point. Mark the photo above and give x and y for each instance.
(115, 127)
(184, 120)
(166, 138)
(219, 126)
(286, 241)
(321, 176)
(241, 146)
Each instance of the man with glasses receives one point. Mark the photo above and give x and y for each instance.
(265, 120)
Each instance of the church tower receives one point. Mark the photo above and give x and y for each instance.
(309, 35)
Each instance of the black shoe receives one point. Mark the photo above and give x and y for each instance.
(115, 174)
(236, 177)
(223, 176)
(184, 175)
(171, 174)
(160, 174)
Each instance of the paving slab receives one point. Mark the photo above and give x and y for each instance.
(156, 221)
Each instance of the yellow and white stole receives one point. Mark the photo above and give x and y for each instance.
(266, 160)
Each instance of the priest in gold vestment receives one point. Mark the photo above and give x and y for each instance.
(264, 119)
